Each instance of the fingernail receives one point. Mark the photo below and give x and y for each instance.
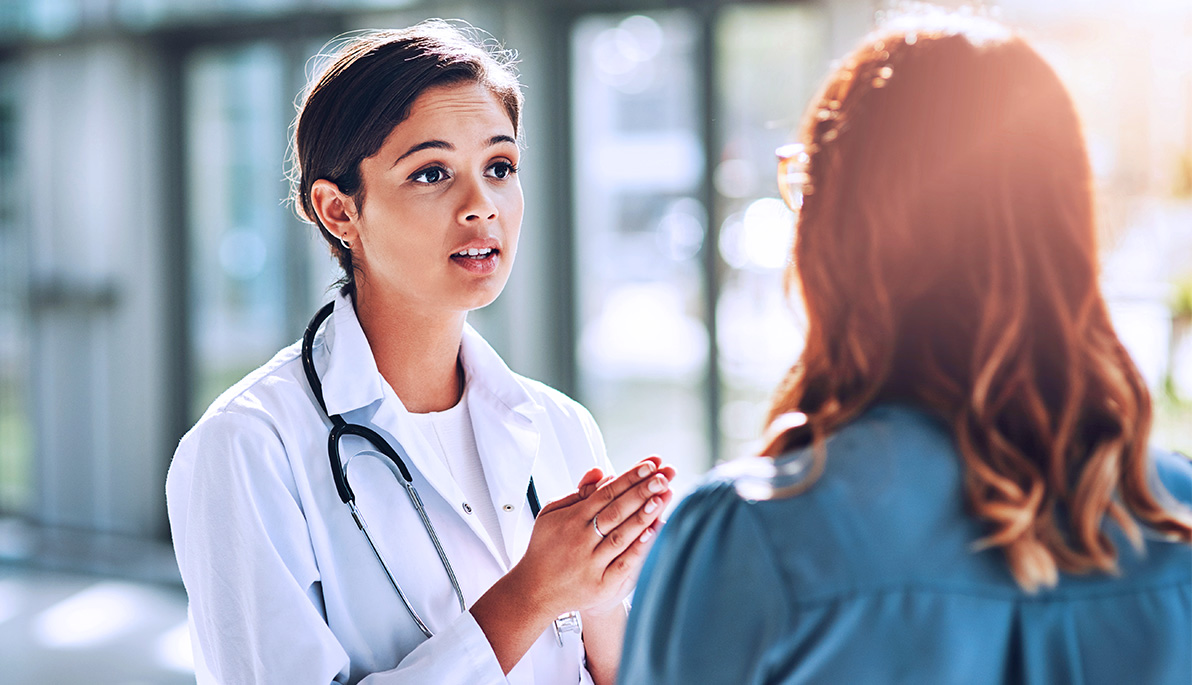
(647, 535)
(656, 485)
(646, 469)
(652, 505)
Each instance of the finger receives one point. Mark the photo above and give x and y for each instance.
(561, 503)
(621, 537)
(587, 483)
(615, 512)
(626, 565)
(606, 493)
(588, 480)
(586, 490)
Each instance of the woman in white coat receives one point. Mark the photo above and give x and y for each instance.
(406, 159)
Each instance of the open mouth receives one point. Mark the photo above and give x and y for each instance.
(475, 253)
(481, 261)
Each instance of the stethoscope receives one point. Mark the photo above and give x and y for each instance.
(396, 455)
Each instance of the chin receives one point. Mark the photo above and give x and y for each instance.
(482, 297)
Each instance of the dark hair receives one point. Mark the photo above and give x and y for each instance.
(368, 87)
(946, 253)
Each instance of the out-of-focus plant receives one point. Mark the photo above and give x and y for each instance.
(1181, 325)
(1182, 188)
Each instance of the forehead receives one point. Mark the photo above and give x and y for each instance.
(453, 111)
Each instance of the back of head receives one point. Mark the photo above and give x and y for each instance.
(946, 253)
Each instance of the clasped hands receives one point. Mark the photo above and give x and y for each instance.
(588, 547)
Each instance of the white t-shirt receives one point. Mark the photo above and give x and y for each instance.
(450, 434)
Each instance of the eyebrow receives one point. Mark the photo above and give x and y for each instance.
(444, 145)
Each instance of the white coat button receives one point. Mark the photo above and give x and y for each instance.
(508, 507)
(467, 508)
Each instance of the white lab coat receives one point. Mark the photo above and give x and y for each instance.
(283, 587)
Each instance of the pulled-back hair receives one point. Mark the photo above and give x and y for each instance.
(367, 88)
(946, 254)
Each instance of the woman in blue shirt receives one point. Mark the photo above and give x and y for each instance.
(957, 486)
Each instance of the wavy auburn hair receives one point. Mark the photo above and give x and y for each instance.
(946, 254)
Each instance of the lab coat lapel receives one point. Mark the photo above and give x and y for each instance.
(508, 424)
(392, 416)
(508, 441)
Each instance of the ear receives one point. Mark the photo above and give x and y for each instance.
(336, 210)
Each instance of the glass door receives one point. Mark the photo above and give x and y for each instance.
(15, 398)
(255, 273)
(642, 338)
(769, 61)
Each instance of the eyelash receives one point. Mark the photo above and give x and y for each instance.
(510, 166)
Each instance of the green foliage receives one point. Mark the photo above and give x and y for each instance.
(1181, 300)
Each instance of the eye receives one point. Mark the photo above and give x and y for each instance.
(502, 169)
(429, 175)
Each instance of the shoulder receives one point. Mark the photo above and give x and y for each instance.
(712, 519)
(712, 566)
(714, 509)
(246, 423)
(557, 404)
(887, 507)
(1174, 471)
(274, 382)
(873, 453)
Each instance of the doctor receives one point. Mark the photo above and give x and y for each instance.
(407, 159)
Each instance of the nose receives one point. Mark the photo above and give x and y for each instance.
(477, 205)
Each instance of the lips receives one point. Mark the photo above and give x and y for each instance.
(477, 260)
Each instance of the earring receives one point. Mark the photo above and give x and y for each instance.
(344, 241)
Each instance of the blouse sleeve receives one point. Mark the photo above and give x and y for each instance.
(710, 600)
(245, 555)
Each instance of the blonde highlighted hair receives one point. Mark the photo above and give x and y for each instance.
(946, 254)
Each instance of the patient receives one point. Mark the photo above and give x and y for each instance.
(957, 486)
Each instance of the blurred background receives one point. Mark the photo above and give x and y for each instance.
(147, 260)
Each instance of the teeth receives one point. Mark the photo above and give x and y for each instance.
(474, 252)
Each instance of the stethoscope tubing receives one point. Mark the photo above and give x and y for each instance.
(339, 428)
(393, 454)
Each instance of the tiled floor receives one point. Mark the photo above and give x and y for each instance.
(66, 628)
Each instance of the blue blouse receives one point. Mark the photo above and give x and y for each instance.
(869, 577)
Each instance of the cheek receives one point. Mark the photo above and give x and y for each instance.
(399, 236)
(513, 210)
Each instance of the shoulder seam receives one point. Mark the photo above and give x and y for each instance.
(226, 403)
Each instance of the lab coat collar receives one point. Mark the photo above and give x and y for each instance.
(351, 380)
(486, 371)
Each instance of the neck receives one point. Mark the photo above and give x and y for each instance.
(416, 350)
